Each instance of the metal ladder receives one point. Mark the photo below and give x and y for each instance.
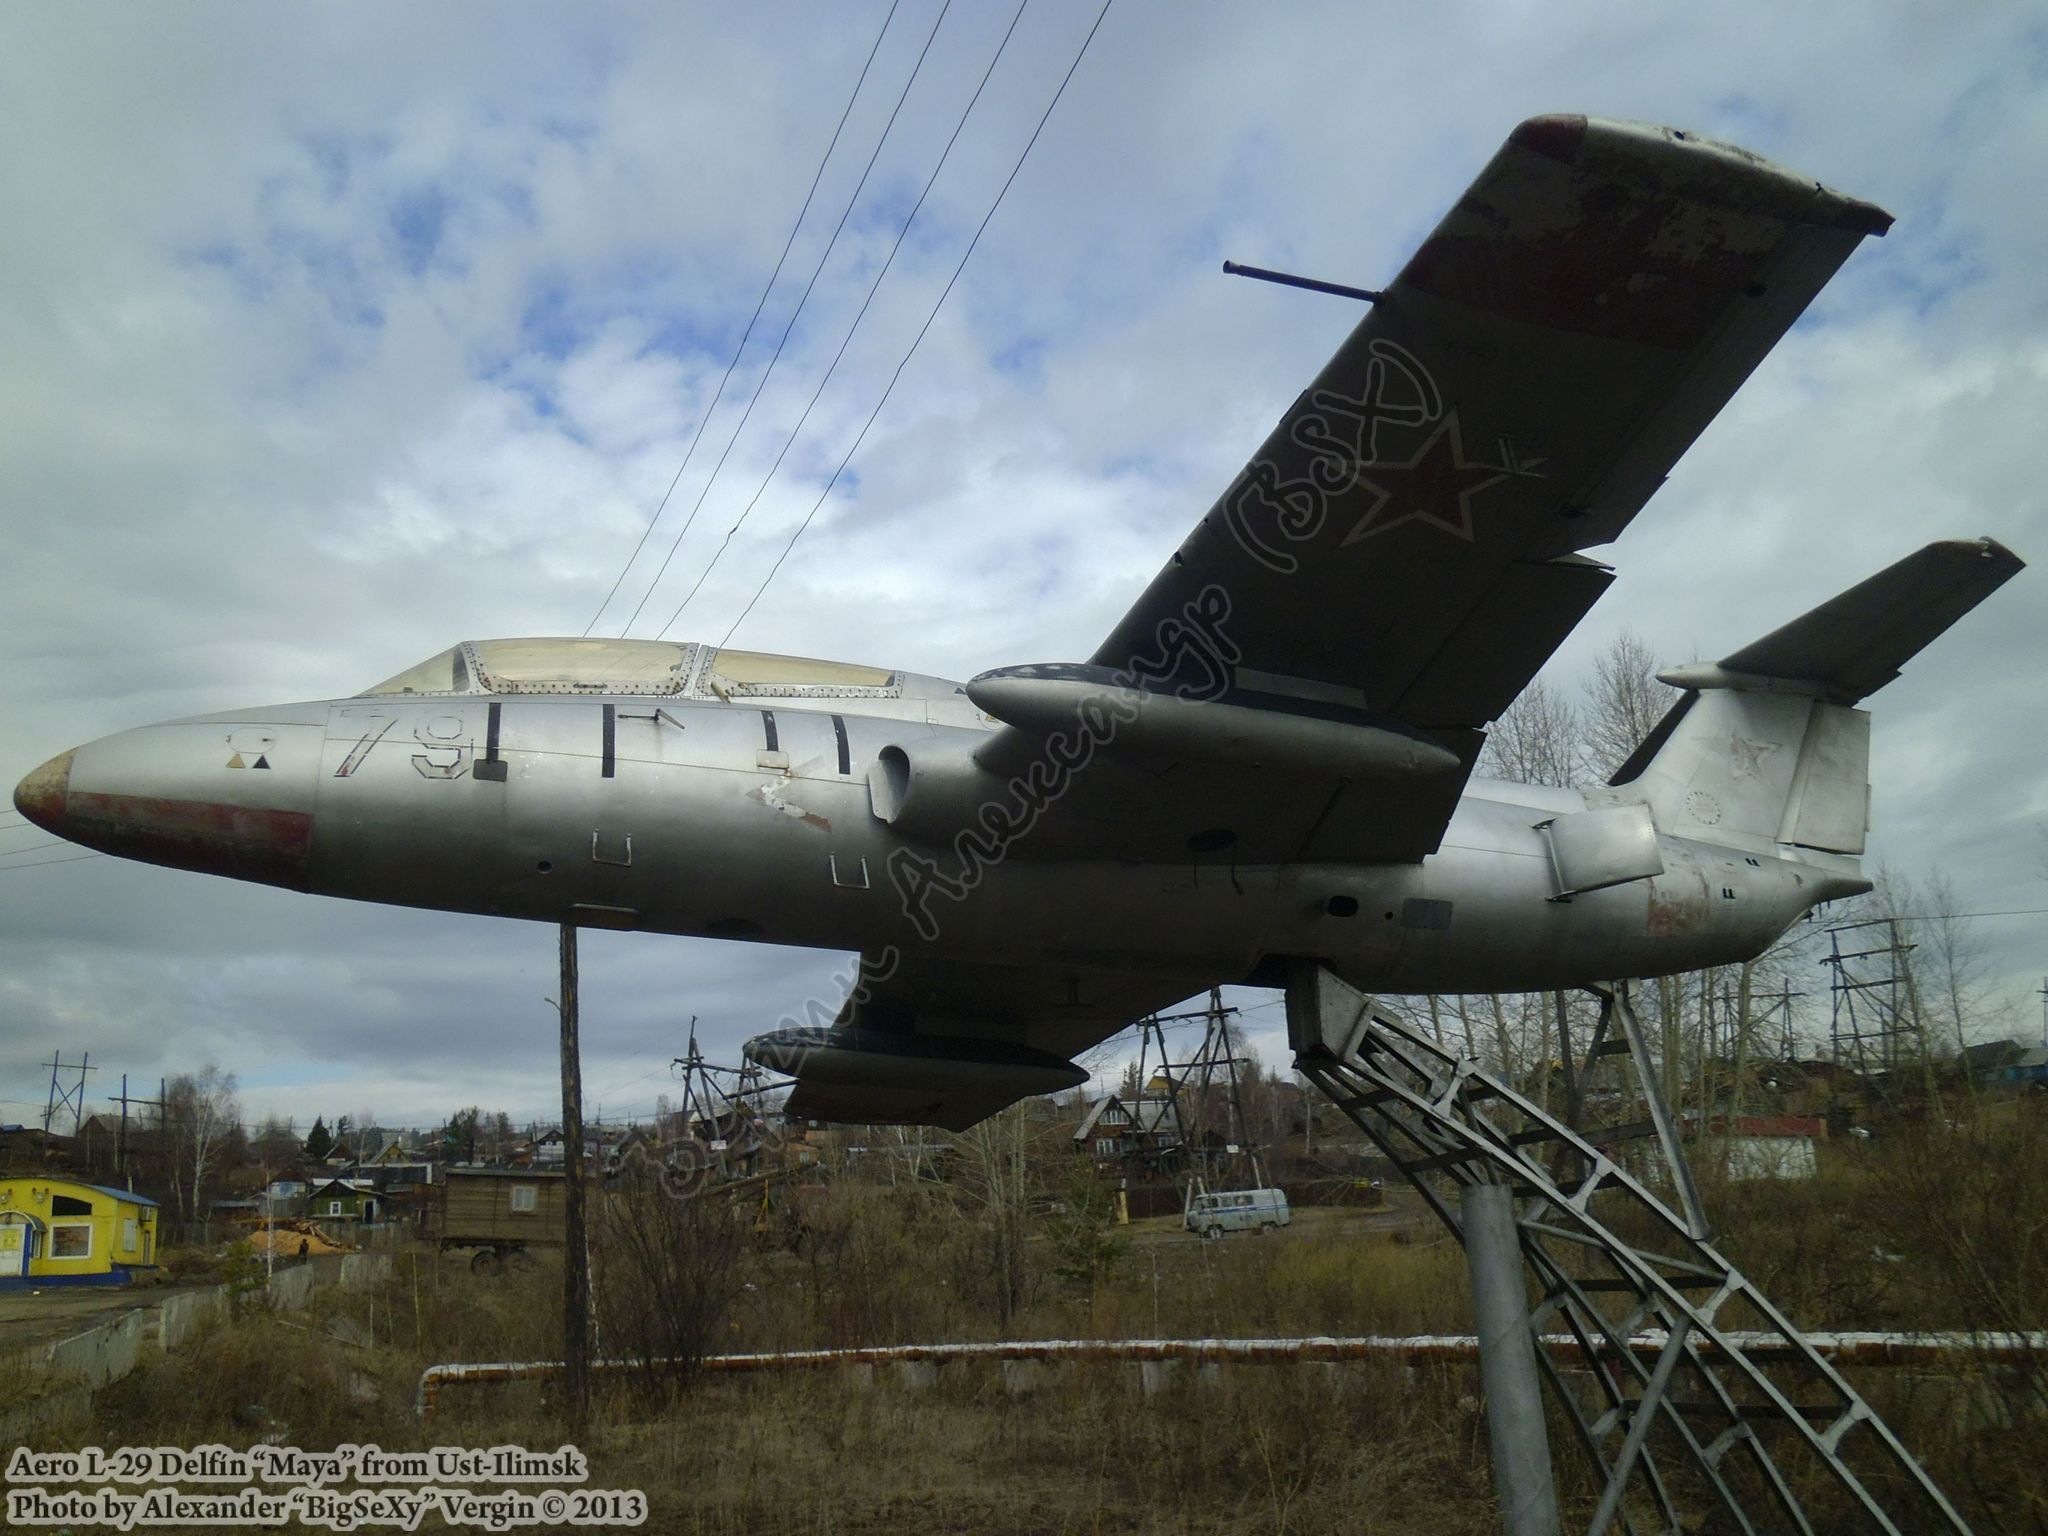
(1733, 1410)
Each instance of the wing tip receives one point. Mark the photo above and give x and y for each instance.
(1989, 548)
(1966, 553)
(1564, 136)
(1556, 134)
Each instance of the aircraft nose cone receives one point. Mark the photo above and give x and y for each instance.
(184, 794)
(41, 794)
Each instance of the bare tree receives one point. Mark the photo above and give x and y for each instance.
(1624, 702)
(1510, 1058)
(1956, 963)
(200, 1113)
(276, 1144)
(1899, 1006)
(1258, 1112)
(670, 1272)
(996, 1178)
(1537, 740)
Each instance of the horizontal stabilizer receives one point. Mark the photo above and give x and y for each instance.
(1852, 645)
(1766, 749)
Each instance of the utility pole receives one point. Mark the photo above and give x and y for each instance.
(124, 1173)
(156, 1104)
(72, 1098)
(1870, 1015)
(575, 1253)
(1195, 1076)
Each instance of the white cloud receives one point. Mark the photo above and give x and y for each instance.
(334, 337)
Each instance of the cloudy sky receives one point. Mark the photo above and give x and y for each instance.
(330, 336)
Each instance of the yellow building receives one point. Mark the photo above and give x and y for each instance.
(60, 1232)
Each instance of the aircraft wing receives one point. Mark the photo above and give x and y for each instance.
(923, 1040)
(1406, 542)
(1311, 674)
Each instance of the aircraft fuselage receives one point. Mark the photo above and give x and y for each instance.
(735, 820)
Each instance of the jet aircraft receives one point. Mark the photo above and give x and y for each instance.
(1268, 761)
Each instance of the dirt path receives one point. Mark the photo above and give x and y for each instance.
(31, 1318)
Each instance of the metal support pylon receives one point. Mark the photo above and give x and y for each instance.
(1735, 1411)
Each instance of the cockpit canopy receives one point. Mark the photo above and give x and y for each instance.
(638, 667)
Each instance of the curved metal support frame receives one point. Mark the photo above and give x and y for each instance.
(1663, 1428)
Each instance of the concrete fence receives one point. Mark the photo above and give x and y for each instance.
(291, 1289)
(99, 1355)
(360, 1271)
(60, 1378)
(180, 1317)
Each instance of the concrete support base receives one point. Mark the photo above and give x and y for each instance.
(916, 1375)
(1155, 1376)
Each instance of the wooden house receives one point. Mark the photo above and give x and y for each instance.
(30, 1146)
(344, 1200)
(1140, 1133)
(405, 1189)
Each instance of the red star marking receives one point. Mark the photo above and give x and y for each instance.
(1436, 487)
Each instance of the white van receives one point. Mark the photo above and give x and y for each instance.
(1237, 1210)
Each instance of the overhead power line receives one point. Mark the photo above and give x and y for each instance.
(55, 842)
(762, 382)
(632, 1082)
(1936, 917)
(898, 374)
(8, 869)
(747, 335)
(859, 315)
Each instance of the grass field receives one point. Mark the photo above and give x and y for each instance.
(1945, 1233)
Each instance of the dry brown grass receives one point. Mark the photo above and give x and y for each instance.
(1251, 1448)
(1256, 1448)
(1259, 1450)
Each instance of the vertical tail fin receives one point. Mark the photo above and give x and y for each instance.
(1766, 748)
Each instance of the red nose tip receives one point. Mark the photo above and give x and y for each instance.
(41, 795)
